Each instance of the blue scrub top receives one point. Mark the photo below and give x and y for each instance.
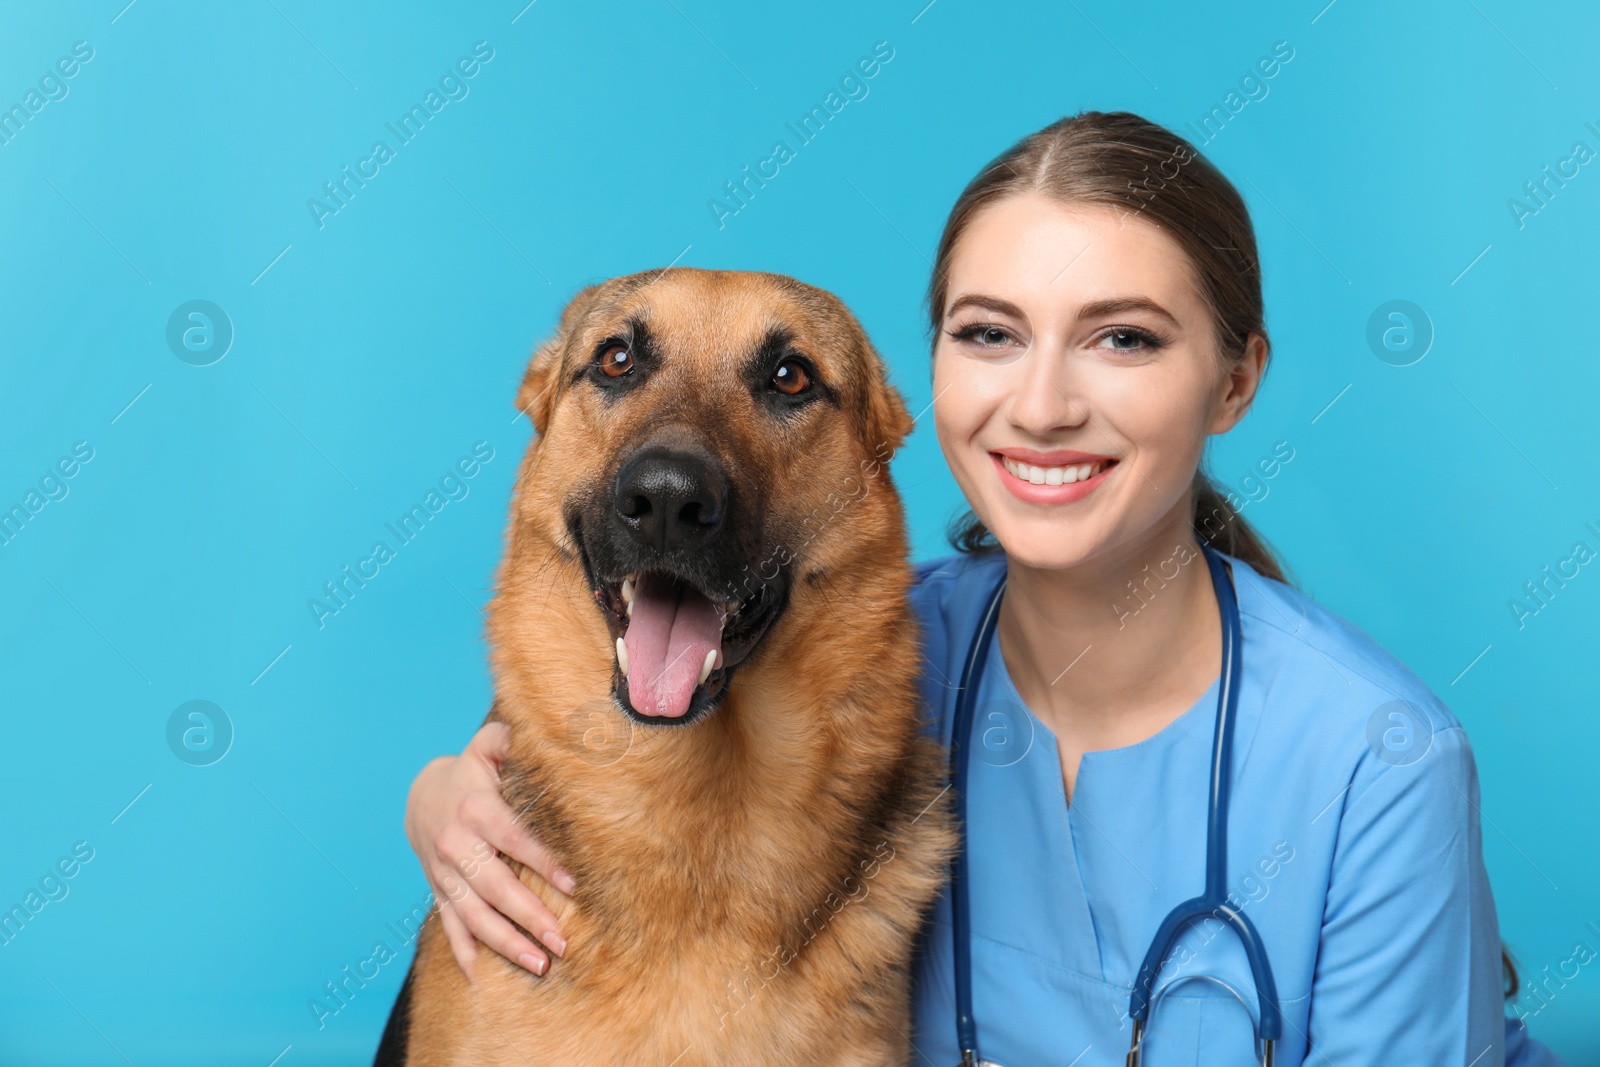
(1354, 845)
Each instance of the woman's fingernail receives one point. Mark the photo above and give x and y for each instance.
(554, 942)
(564, 880)
(532, 962)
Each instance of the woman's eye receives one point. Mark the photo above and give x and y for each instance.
(1126, 340)
(983, 335)
(791, 378)
(616, 361)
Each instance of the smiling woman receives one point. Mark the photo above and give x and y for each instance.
(1125, 346)
(1088, 232)
(1091, 334)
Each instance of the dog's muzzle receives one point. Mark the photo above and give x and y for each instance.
(675, 562)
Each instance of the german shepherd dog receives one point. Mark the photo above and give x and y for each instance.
(703, 648)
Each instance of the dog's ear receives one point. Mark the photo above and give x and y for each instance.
(540, 384)
(887, 421)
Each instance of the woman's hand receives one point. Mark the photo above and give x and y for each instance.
(457, 822)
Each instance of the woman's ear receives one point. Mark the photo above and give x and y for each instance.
(541, 383)
(1239, 384)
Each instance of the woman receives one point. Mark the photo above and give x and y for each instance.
(1097, 312)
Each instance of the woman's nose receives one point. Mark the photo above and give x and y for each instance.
(1048, 396)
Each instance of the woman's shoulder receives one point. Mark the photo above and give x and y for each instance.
(944, 573)
(946, 590)
(948, 594)
(1317, 638)
(1356, 698)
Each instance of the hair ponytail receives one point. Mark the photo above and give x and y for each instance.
(1217, 524)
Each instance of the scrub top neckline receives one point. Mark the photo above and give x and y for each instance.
(1168, 734)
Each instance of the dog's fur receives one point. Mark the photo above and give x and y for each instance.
(750, 877)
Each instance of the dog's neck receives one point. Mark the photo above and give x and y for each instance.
(637, 811)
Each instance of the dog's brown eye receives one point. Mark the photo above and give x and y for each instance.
(791, 378)
(616, 361)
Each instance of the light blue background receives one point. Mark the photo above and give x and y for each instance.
(378, 349)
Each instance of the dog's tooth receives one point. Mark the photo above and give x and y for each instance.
(627, 591)
(630, 609)
(705, 668)
(622, 655)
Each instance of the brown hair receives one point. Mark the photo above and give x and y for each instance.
(1121, 160)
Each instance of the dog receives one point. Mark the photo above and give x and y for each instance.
(702, 645)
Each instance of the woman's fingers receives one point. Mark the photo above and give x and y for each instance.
(487, 813)
(463, 946)
(494, 821)
(460, 825)
(472, 869)
(491, 744)
(495, 883)
(490, 927)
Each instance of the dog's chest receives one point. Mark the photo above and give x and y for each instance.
(697, 1009)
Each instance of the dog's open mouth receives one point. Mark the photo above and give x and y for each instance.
(677, 647)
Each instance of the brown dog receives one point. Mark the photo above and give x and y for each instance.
(703, 647)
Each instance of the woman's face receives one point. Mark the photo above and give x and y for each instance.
(1076, 379)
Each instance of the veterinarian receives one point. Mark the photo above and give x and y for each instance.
(1097, 313)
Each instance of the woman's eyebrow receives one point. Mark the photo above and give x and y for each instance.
(988, 303)
(1095, 310)
(1102, 308)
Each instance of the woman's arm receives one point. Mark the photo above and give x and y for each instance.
(1409, 969)
(458, 825)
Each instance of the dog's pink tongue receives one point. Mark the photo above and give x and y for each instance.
(669, 635)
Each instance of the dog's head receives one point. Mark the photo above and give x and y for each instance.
(707, 439)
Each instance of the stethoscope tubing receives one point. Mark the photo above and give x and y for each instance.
(960, 898)
(1213, 902)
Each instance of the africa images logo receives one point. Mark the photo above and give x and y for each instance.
(852, 87)
(452, 86)
(453, 485)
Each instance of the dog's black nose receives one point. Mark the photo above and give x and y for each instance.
(671, 500)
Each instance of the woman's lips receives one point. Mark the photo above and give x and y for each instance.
(1062, 483)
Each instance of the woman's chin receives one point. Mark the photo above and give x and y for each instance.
(1043, 544)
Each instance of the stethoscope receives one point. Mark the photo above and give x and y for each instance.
(1213, 902)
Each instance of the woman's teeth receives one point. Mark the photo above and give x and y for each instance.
(1053, 475)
